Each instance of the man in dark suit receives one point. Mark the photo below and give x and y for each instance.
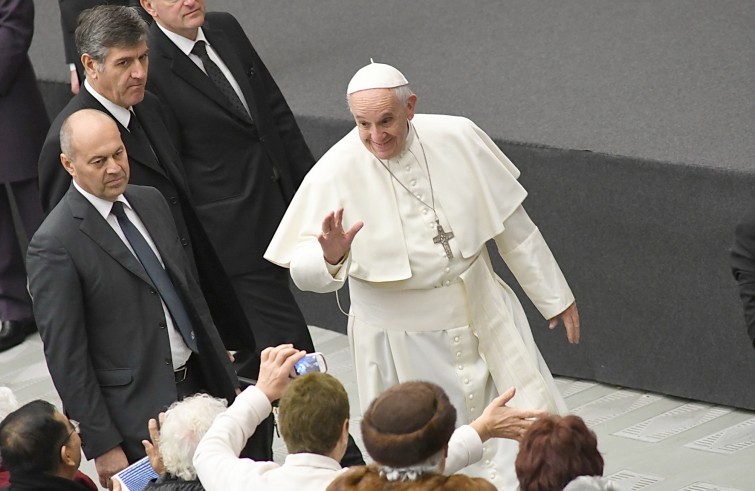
(69, 15)
(126, 329)
(112, 41)
(242, 151)
(23, 123)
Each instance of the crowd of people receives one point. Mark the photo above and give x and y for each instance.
(179, 198)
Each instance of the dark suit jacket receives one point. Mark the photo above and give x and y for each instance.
(241, 175)
(23, 118)
(102, 322)
(743, 267)
(69, 17)
(167, 176)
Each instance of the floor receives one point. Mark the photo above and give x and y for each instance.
(649, 441)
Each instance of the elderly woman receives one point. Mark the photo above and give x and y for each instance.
(181, 428)
(406, 431)
(560, 453)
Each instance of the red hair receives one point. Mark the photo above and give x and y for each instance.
(556, 450)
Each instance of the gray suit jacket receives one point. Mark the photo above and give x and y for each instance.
(103, 325)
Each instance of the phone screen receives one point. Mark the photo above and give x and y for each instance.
(308, 364)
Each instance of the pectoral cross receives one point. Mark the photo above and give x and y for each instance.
(443, 238)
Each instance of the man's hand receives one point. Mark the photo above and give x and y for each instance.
(152, 446)
(334, 241)
(275, 368)
(107, 464)
(570, 317)
(501, 421)
(74, 82)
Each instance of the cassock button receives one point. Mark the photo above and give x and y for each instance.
(492, 475)
(448, 270)
(408, 168)
(424, 211)
(471, 396)
(162, 324)
(173, 200)
(448, 282)
(458, 354)
(413, 182)
(466, 380)
(460, 367)
(456, 338)
(184, 241)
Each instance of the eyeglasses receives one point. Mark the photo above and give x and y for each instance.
(76, 429)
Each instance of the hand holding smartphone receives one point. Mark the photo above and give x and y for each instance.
(311, 363)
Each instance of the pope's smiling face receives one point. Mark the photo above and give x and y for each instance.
(382, 119)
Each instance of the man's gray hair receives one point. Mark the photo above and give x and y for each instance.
(402, 92)
(185, 424)
(8, 402)
(109, 26)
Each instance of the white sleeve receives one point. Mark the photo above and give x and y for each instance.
(464, 448)
(311, 272)
(523, 248)
(217, 456)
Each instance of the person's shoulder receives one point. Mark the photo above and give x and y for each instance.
(443, 124)
(220, 19)
(147, 193)
(460, 482)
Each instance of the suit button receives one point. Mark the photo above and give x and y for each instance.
(184, 241)
(262, 139)
(167, 361)
(152, 291)
(162, 324)
(173, 200)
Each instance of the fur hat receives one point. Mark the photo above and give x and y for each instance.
(408, 424)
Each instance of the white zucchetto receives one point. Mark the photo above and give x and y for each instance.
(376, 76)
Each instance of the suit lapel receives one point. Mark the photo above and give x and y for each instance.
(97, 229)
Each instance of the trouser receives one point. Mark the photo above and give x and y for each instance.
(15, 304)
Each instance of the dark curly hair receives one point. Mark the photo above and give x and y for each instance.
(556, 450)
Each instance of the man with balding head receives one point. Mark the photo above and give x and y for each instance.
(125, 327)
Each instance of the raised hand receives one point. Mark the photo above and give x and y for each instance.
(334, 241)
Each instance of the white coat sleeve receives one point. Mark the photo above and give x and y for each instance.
(523, 248)
(310, 271)
(464, 448)
(217, 456)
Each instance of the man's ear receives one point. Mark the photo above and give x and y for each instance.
(67, 164)
(66, 456)
(147, 5)
(90, 66)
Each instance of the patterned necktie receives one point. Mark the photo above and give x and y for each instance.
(217, 78)
(158, 275)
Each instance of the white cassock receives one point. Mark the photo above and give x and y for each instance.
(415, 313)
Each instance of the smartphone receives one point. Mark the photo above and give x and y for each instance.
(311, 363)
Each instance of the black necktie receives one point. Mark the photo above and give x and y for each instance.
(136, 129)
(217, 78)
(158, 275)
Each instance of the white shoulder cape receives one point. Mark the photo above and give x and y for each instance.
(474, 182)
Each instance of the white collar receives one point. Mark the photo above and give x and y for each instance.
(183, 43)
(312, 460)
(120, 113)
(102, 206)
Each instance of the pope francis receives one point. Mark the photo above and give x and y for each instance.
(403, 206)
